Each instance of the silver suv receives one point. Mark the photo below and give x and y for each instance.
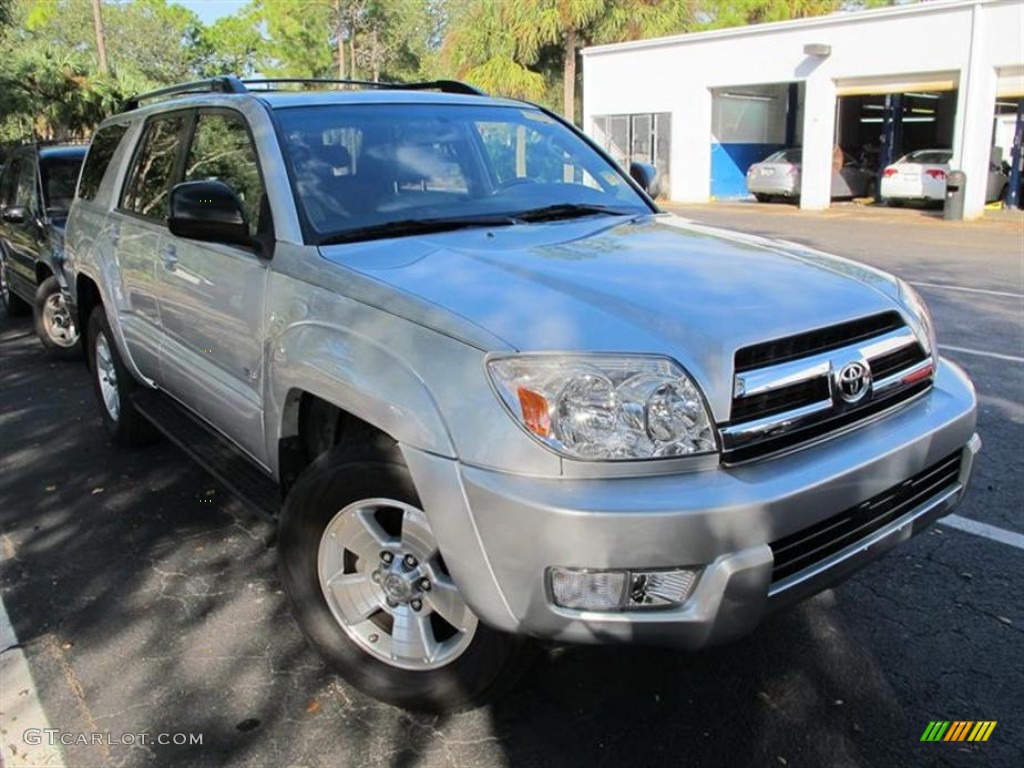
(501, 394)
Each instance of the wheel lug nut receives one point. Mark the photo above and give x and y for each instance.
(386, 558)
(416, 604)
(425, 584)
(375, 576)
(391, 603)
(410, 561)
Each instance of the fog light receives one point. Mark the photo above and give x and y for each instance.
(619, 590)
(588, 590)
(655, 588)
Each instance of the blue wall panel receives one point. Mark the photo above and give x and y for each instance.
(729, 164)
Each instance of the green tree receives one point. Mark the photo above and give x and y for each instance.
(501, 45)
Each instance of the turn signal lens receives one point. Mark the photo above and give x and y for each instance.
(536, 412)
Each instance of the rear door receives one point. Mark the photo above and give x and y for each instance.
(212, 295)
(139, 233)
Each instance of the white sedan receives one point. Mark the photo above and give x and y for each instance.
(921, 175)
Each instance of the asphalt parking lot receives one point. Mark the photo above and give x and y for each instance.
(145, 600)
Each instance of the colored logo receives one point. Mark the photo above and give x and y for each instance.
(958, 730)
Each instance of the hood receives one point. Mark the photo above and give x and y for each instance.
(655, 284)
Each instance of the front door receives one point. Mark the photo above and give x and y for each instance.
(22, 237)
(212, 295)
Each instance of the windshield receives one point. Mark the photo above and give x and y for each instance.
(784, 156)
(360, 167)
(928, 156)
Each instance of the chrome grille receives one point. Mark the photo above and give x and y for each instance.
(780, 403)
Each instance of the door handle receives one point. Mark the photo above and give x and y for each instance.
(170, 255)
(115, 234)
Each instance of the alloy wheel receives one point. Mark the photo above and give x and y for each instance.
(387, 586)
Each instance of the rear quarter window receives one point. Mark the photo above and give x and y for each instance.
(101, 151)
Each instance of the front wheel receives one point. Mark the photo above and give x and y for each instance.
(374, 596)
(761, 197)
(55, 325)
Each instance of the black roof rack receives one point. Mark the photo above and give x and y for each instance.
(231, 84)
(222, 84)
(445, 86)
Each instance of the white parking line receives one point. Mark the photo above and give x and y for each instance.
(20, 709)
(982, 353)
(984, 530)
(940, 286)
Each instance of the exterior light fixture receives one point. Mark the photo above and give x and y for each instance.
(818, 49)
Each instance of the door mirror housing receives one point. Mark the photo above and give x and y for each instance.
(646, 176)
(15, 214)
(209, 211)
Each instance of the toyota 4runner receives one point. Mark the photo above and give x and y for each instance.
(501, 394)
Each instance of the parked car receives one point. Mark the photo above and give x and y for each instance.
(36, 189)
(502, 394)
(921, 176)
(778, 176)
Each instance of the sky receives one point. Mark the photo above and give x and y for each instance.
(211, 10)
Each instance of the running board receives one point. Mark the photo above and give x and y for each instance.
(212, 451)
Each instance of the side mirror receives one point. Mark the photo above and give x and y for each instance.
(15, 214)
(209, 211)
(646, 176)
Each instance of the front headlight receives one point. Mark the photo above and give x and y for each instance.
(602, 407)
(926, 332)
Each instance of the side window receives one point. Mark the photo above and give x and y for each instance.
(27, 192)
(149, 180)
(9, 183)
(101, 151)
(222, 151)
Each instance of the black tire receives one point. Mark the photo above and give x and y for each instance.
(126, 427)
(894, 202)
(55, 325)
(14, 305)
(490, 663)
(761, 197)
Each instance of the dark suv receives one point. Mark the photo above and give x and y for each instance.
(36, 189)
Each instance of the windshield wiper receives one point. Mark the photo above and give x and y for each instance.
(571, 211)
(406, 227)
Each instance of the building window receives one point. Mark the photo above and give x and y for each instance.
(644, 138)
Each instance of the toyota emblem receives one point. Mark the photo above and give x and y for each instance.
(853, 381)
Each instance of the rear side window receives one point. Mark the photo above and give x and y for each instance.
(101, 151)
(152, 171)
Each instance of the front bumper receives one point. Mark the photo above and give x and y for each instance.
(500, 533)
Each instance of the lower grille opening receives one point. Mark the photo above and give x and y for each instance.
(806, 548)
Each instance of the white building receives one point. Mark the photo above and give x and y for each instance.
(878, 83)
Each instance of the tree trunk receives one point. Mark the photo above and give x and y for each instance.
(352, 50)
(339, 30)
(101, 46)
(376, 57)
(569, 76)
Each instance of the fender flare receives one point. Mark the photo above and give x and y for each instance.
(355, 373)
